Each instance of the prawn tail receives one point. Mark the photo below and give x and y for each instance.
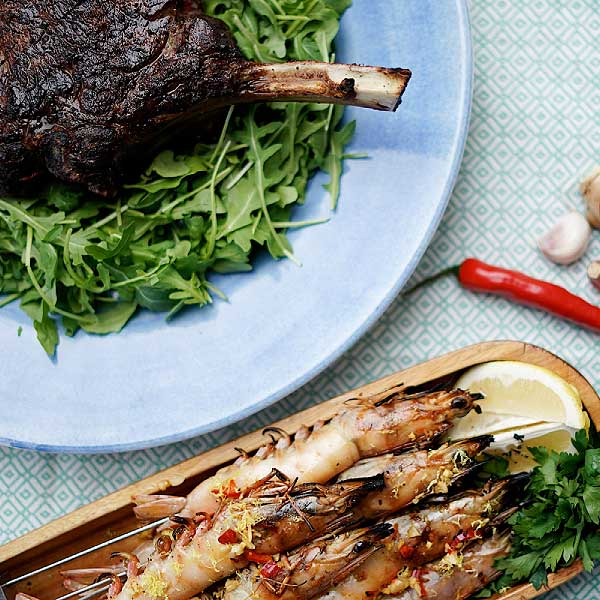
(477, 444)
(516, 483)
(150, 507)
(463, 456)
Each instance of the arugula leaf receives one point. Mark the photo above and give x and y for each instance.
(46, 330)
(333, 162)
(167, 165)
(63, 197)
(102, 252)
(111, 319)
(242, 202)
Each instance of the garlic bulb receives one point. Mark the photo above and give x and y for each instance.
(568, 240)
(590, 190)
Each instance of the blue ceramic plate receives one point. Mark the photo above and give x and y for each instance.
(156, 383)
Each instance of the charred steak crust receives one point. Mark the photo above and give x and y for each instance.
(83, 82)
(89, 87)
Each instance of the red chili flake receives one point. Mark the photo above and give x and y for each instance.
(270, 570)
(228, 537)
(407, 552)
(229, 491)
(462, 537)
(418, 575)
(257, 557)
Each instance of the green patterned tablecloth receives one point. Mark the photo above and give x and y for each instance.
(535, 129)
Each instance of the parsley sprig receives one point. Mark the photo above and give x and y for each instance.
(558, 523)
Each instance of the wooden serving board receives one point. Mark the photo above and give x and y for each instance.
(112, 515)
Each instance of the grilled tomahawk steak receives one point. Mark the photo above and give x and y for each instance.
(87, 86)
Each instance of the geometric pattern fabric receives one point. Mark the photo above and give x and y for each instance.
(535, 130)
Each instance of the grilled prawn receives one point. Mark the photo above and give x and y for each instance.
(279, 515)
(303, 515)
(305, 572)
(204, 550)
(426, 535)
(366, 427)
(440, 581)
(412, 476)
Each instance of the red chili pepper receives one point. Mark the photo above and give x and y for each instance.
(257, 557)
(228, 537)
(407, 552)
(478, 276)
(270, 570)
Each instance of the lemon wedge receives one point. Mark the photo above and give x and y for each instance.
(524, 405)
(552, 436)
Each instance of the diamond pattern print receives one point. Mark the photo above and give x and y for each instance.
(535, 130)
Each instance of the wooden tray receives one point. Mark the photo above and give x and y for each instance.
(112, 515)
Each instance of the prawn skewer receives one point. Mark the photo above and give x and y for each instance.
(365, 427)
(404, 479)
(412, 540)
(435, 580)
(199, 552)
(279, 515)
(425, 536)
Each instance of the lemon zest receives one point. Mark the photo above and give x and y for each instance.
(154, 585)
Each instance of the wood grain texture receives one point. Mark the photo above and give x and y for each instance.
(112, 515)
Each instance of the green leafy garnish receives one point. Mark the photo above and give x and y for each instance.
(559, 522)
(65, 254)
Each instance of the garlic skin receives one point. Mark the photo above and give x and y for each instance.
(590, 190)
(568, 240)
(593, 272)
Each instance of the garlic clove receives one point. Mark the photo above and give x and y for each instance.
(568, 240)
(593, 272)
(590, 190)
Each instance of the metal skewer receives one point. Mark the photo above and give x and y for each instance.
(98, 587)
(67, 559)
